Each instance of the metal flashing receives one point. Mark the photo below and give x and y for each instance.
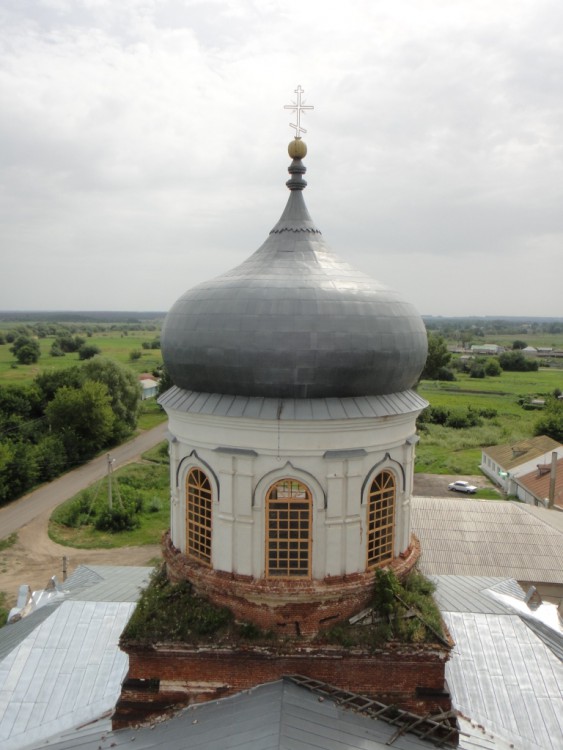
(307, 410)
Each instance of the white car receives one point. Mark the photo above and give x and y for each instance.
(460, 486)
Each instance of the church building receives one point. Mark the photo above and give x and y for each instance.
(292, 428)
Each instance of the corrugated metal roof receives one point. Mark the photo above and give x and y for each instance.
(249, 407)
(276, 716)
(461, 536)
(551, 517)
(504, 678)
(515, 454)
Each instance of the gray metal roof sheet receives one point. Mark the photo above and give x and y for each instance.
(114, 583)
(505, 679)
(462, 536)
(551, 638)
(12, 635)
(276, 716)
(252, 407)
(66, 672)
(469, 594)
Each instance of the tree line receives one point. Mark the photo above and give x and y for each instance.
(62, 419)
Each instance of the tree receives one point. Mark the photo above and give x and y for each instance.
(164, 380)
(50, 381)
(25, 350)
(517, 362)
(50, 457)
(68, 343)
(56, 350)
(493, 368)
(519, 344)
(123, 389)
(438, 357)
(18, 469)
(551, 421)
(477, 370)
(87, 351)
(83, 417)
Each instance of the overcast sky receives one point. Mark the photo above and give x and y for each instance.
(143, 146)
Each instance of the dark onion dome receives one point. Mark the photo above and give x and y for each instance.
(294, 321)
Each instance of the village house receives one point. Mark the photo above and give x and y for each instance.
(504, 463)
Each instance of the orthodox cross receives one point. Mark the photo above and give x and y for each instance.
(298, 108)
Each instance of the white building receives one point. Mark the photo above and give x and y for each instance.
(505, 463)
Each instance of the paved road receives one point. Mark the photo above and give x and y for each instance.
(47, 497)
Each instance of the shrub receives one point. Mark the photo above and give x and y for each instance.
(444, 373)
(75, 514)
(117, 519)
(488, 413)
(56, 350)
(517, 362)
(134, 354)
(26, 350)
(87, 351)
(477, 370)
(493, 368)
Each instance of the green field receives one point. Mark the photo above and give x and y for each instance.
(444, 450)
(116, 346)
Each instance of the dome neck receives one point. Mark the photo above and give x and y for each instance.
(296, 169)
(296, 217)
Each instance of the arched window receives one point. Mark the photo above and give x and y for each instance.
(198, 516)
(381, 516)
(288, 530)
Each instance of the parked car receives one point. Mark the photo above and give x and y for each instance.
(461, 486)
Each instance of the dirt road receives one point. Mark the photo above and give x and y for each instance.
(436, 485)
(35, 558)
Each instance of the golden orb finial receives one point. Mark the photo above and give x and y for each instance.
(297, 149)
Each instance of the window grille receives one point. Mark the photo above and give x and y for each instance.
(381, 518)
(288, 540)
(198, 516)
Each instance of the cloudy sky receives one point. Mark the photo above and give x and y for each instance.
(143, 146)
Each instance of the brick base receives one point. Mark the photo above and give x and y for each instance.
(292, 607)
(161, 677)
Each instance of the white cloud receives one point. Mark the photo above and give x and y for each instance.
(144, 145)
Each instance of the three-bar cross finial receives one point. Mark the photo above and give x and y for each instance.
(298, 107)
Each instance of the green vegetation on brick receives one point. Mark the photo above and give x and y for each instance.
(405, 612)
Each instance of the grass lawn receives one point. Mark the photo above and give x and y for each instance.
(150, 415)
(444, 450)
(145, 486)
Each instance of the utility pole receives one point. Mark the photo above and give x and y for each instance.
(111, 462)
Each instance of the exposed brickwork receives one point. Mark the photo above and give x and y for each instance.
(410, 677)
(295, 607)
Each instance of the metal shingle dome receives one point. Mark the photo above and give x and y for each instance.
(294, 321)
